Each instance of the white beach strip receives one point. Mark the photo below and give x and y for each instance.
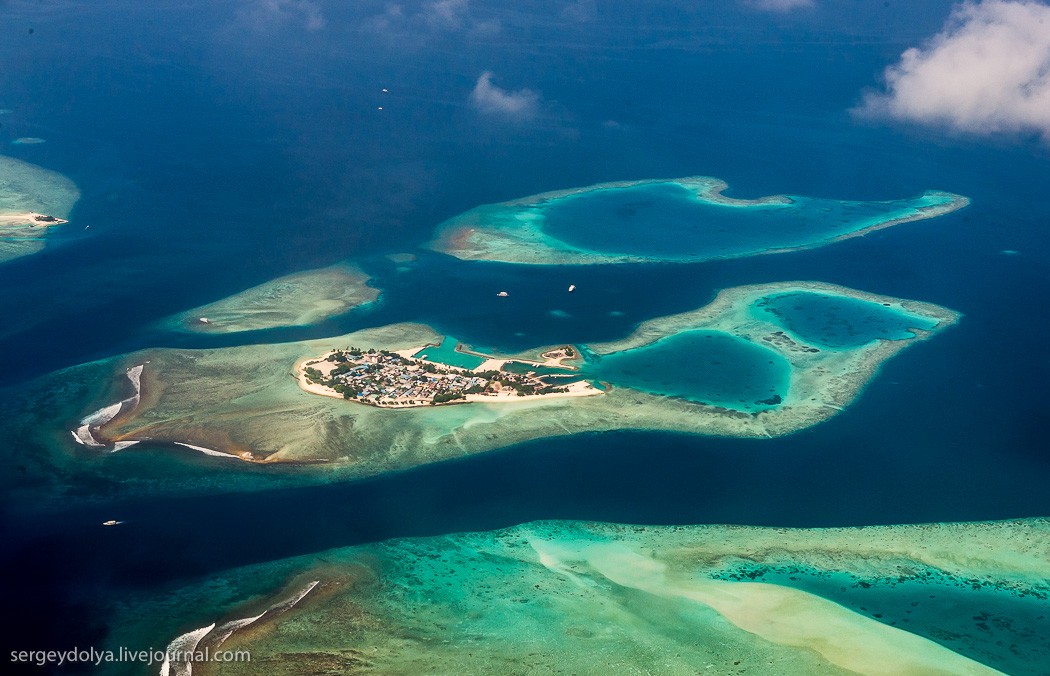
(121, 445)
(178, 648)
(209, 451)
(226, 630)
(578, 389)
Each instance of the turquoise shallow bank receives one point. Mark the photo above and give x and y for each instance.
(685, 219)
(833, 321)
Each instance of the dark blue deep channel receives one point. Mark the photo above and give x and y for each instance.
(215, 151)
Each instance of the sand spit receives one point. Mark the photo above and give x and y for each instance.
(209, 451)
(569, 595)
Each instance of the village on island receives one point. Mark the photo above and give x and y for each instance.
(406, 378)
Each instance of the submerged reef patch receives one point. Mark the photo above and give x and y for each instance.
(565, 596)
(298, 299)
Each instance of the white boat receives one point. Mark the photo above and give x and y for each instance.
(112, 522)
(572, 287)
(502, 294)
(203, 320)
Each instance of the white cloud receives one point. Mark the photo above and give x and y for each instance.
(522, 104)
(781, 5)
(436, 17)
(447, 14)
(987, 71)
(265, 14)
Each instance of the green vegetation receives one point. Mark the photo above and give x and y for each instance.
(384, 378)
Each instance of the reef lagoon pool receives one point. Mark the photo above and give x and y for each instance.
(835, 321)
(446, 353)
(685, 219)
(709, 367)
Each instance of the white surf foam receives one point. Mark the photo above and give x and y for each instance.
(84, 434)
(182, 645)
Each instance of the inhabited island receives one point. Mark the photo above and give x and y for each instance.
(32, 200)
(407, 378)
(968, 598)
(299, 299)
(682, 220)
(758, 361)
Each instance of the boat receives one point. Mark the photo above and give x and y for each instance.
(112, 522)
(502, 294)
(203, 320)
(572, 287)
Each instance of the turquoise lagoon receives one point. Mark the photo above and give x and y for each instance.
(681, 220)
(668, 221)
(704, 366)
(836, 322)
(446, 353)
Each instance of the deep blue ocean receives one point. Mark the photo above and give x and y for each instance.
(219, 145)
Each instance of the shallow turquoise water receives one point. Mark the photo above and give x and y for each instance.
(446, 354)
(840, 322)
(703, 366)
(997, 627)
(665, 220)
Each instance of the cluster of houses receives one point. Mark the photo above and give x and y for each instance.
(388, 379)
